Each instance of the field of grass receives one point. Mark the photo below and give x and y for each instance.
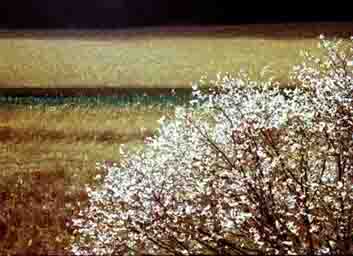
(47, 155)
(154, 57)
(69, 138)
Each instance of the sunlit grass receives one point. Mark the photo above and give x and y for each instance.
(70, 138)
(47, 156)
(155, 57)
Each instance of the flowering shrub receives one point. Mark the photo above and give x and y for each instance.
(249, 169)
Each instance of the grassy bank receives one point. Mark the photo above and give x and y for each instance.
(47, 154)
(154, 57)
(68, 137)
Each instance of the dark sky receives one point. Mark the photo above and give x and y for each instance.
(125, 13)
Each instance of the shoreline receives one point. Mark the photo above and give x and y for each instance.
(92, 91)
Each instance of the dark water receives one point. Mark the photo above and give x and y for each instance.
(95, 97)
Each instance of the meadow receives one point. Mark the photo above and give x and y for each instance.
(154, 57)
(48, 152)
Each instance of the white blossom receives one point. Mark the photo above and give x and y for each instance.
(249, 168)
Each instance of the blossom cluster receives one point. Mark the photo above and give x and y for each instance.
(250, 168)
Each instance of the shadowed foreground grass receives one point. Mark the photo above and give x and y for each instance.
(47, 154)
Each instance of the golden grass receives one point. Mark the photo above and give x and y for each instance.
(159, 57)
(47, 155)
(70, 138)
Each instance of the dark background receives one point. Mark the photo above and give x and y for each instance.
(23, 14)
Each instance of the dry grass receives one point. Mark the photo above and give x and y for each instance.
(47, 154)
(70, 138)
(154, 57)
